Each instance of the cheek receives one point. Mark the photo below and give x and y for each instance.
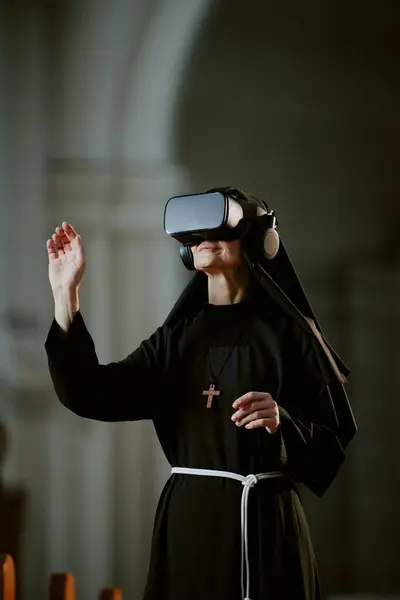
(201, 259)
(232, 257)
(233, 252)
(224, 257)
(197, 256)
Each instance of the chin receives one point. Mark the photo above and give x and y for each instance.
(213, 265)
(205, 265)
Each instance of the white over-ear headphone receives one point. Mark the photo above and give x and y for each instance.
(271, 236)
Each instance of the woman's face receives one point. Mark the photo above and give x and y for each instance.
(217, 256)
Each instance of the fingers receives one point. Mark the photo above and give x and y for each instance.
(252, 397)
(253, 406)
(58, 242)
(268, 419)
(272, 425)
(256, 409)
(65, 240)
(61, 240)
(244, 419)
(250, 402)
(69, 231)
(51, 250)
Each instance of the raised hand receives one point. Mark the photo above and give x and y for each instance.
(256, 409)
(66, 259)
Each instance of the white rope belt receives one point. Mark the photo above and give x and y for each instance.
(248, 482)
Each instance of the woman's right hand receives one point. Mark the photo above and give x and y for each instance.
(66, 260)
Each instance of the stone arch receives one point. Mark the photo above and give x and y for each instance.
(153, 90)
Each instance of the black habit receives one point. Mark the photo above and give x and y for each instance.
(196, 549)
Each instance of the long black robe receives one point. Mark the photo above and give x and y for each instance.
(196, 542)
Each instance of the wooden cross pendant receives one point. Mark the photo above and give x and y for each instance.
(211, 393)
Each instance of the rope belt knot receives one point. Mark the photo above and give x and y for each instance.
(248, 482)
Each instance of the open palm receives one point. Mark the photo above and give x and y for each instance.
(66, 258)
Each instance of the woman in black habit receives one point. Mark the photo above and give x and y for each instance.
(247, 400)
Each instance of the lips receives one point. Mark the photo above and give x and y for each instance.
(207, 246)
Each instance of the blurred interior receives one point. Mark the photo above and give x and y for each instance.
(106, 110)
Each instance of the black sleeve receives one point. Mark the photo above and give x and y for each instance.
(310, 446)
(126, 390)
(313, 452)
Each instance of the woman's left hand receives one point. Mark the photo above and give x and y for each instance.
(256, 409)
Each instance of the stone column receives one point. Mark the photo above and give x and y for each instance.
(81, 475)
(82, 479)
